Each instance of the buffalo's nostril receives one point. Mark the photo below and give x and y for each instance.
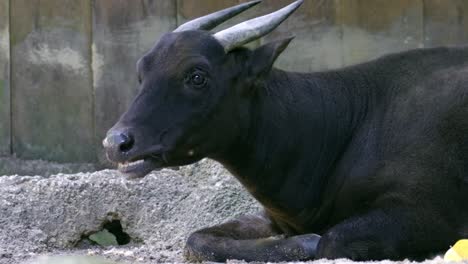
(127, 142)
(118, 142)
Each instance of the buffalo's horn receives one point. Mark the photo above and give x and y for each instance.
(255, 28)
(212, 20)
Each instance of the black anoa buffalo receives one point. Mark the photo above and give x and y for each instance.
(366, 162)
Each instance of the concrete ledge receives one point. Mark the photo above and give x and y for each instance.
(43, 215)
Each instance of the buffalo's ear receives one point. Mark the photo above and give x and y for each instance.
(263, 57)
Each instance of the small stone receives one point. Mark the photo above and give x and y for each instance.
(6, 255)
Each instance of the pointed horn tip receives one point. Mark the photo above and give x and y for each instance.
(250, 4)
(255, 2)
(296, 4)
(267, 23)
(197, 23)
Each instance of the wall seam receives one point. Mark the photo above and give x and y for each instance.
(423, 23)
(91, 77)
(10, 79)
(339, 21)
(177, 13)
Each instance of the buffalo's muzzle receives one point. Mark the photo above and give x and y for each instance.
(117, 144)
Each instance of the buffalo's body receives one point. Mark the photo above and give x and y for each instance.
(382, 141)
(373, 157)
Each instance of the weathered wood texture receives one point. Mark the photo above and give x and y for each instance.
(446, 22)
(73, 62)
(122, 31)
(317, 42)
(373, 28)
(51, 72)
(5, 127)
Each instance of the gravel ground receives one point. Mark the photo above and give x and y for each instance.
(48, 218)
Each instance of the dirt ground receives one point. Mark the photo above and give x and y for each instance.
(48, 211)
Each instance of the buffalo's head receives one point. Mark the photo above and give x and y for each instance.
(195, 92)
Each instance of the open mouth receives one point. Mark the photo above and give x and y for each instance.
(140, 167)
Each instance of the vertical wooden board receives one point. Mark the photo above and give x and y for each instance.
(51, 80)
(373, 28)
(4, 79)
(445, 22)
(317, 42)
(123, 31)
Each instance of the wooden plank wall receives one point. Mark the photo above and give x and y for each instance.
(369, 32)
(73, 62)
(446, 22)
(52, 96)
(5, 126)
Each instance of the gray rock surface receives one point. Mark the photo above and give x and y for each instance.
(51, 215)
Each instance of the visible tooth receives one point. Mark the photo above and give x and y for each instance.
(190, 152)
(127, 164)
(136, 162)
(105, 143)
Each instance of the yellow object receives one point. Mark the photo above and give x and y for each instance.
(458, 252)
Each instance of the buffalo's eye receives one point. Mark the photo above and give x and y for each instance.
(196, 79)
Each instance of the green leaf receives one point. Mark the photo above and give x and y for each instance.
(104, 238)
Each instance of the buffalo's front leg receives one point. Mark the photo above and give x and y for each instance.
(249, 238)
(393, 234)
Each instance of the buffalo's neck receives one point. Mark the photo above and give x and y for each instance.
(300, 125)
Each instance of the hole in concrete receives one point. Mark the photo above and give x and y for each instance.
(111, 234)
(115, 228)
